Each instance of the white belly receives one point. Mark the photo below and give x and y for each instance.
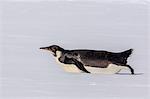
(111, 69)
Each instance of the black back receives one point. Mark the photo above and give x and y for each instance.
(102, 58)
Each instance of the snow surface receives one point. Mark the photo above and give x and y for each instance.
(29, 73)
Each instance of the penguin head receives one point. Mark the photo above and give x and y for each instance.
(53, 49)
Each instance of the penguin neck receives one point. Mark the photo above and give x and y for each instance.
(58, 54)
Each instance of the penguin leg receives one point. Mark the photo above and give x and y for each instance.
(131, 69)
(80, 65)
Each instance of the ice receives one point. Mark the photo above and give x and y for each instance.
(30, 73)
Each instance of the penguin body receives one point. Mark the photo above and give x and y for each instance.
(91, 61)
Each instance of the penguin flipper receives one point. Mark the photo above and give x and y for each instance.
(79, 65)
(69, 59)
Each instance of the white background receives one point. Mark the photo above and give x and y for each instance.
(29, 73)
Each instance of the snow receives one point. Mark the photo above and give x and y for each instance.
(29, 73)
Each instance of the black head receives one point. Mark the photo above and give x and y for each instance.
(53, 49)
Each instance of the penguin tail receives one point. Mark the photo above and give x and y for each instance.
(126, 53)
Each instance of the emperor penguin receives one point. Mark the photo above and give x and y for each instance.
(90, 61)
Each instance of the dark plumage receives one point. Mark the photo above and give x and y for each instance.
(91, 58)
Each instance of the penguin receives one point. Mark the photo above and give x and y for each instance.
(90, 61)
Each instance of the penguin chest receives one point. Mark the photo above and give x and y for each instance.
(69, 67)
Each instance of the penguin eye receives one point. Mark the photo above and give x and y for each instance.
(54, 49)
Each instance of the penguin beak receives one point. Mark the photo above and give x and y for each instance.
(44, 48)
(47, 49)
